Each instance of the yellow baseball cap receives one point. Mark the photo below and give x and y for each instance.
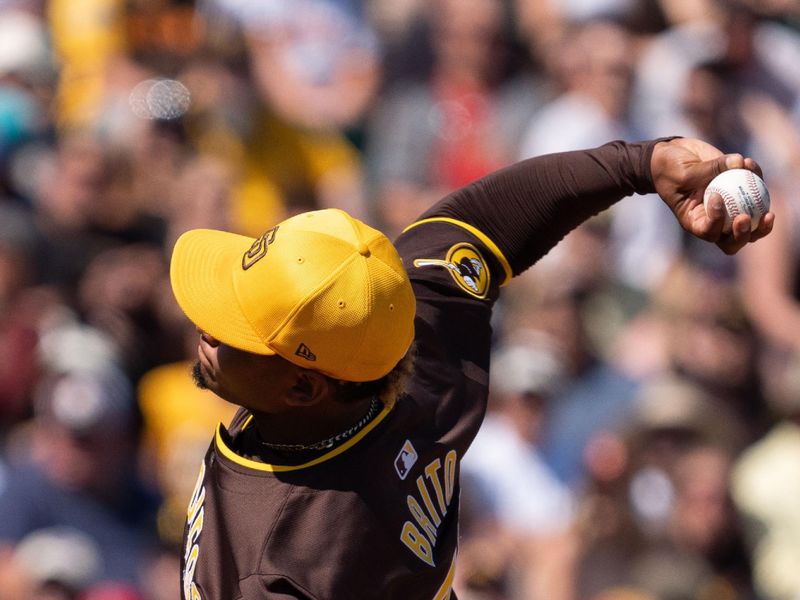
(321, 289)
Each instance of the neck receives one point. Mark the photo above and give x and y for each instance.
(310, 424)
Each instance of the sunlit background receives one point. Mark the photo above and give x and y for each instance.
(643, 436)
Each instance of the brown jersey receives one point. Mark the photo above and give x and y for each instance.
(377, 516)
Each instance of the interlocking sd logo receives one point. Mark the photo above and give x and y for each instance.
(259, 248)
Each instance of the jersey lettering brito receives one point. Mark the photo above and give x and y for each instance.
(428, 507)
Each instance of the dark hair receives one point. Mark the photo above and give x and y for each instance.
(387, 389)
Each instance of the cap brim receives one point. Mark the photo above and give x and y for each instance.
(201, 274)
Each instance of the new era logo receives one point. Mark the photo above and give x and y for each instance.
(304, 351)
(405, 460)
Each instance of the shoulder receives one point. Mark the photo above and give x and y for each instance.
(454, 254)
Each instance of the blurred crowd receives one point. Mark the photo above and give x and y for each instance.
(643, 434)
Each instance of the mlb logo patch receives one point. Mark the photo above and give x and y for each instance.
(405, 460)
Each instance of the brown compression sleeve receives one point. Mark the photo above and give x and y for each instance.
(527, 208)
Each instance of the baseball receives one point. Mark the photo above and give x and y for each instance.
(743, 192)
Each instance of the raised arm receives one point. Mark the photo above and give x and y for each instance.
(528, 207)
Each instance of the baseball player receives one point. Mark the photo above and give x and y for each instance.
(361, 368)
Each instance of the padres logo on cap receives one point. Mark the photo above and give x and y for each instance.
(337, 286)
(466, 267)
(259, 248)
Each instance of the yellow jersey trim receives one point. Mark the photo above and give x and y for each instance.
(246, 423)
(447, 585)
(259, 466)
(509, 273)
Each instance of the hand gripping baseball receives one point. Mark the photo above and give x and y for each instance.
(681, 169)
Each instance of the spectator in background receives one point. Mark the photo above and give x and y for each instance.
(199, 197)
(18, 313)
(754, 48)
(559, 297)
(725, 102)
(775, 310)
(84, 203)
(119, 294)
(594, 71)
(765, 487)
(594, 62)
(693, 36)
(26, 70)
(176, 415)
(89, 43)
(656, 516)
(320, 51)
(702, 551)
(709, 339)
(458, 122)
(73, 466)
(176, 419)
(525, 507)
(57, 563)
(312, 69)
(526, 497)
(403, 32)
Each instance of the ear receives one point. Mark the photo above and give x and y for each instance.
(310, 388)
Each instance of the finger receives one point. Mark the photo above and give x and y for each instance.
(738, 237)
(741, 234)
(764, 227)
(742, 227)
(729, 244)
(752, 165)
(733, 161)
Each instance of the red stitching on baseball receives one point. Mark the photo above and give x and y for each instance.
(730, 202)
(757, 198)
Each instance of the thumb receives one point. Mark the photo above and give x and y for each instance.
(705, 171)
